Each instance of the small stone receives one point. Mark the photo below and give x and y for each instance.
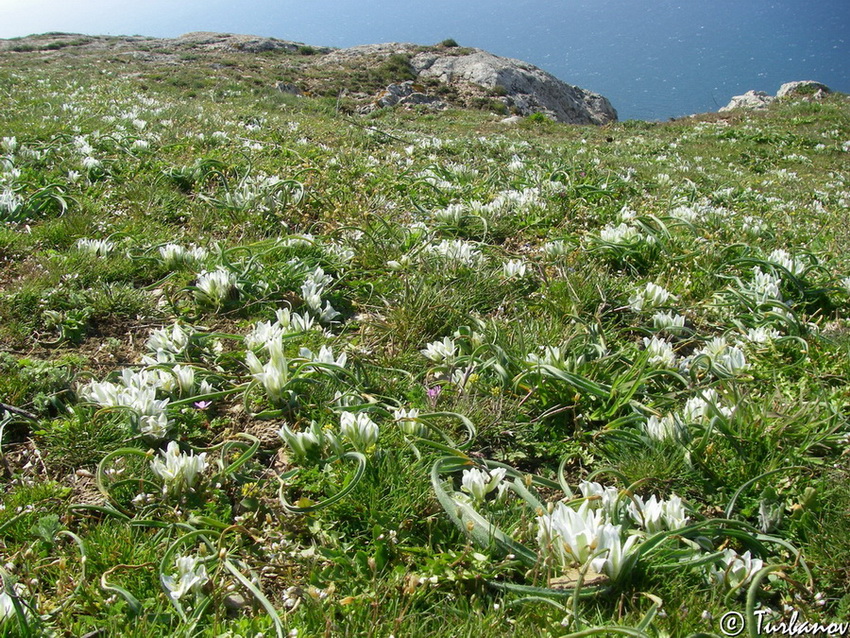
(236, 602)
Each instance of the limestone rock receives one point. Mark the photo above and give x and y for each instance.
(761, 100)
(522, 87)
(475, 74)
(406, 94)
(513, 119)
(288, 88)
(233, 42)
(803, 87)
(752, 100)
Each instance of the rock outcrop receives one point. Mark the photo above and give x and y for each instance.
(755, 100)
(404, 94)
(522, 87)
(804, 87)
(478, 76)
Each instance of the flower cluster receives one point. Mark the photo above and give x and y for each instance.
(191, 576)
(136, 391)
(179, 472)
(651, 296)
(587, 536)
(479, 483)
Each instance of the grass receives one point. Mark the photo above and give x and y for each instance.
(335, 319)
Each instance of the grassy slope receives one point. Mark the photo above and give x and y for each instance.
(212, 157)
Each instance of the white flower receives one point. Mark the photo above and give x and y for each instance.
(611, 553)
(263, 333)
(325, 355)
(685, 213)
(359, 429)
(666, 428)
(440, 351)
(650, 296)
(514, 268)
(7, 604)
(452, 214)
(10, 201)
(791, 264)
(215, 287)
(669, 322)
(762, 334)
(479, 483)
(727, 359)
(9, 144)
(174, 255)
(555, 248)
(169, 341)
(701, 407)
(179, 472)
(95, 247)
(655, 515)
(293, 321)
(301, 443)
(185, 377)
(675, 516)
(605, 497)
(660, 352)
(552, 356)
(190, 576)
(456, 251)
(408, 422)
(340, 253)
(274, 375)
(735, 570)
(139, 395)
(569, 535)
(622, 234)
(765, 286)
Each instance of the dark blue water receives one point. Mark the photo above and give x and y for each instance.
(653, 59)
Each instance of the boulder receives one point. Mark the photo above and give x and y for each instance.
(752, 100)
(522, 87)
(761, 100)
(802, 87)
(403, 94)
(289, 88)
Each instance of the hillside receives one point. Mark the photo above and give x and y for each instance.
(359, 79)
(270, 366)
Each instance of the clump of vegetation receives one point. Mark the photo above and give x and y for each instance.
(267, 368)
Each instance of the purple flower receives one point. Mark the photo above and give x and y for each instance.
(203, 405)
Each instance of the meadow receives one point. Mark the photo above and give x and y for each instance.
(271, 368)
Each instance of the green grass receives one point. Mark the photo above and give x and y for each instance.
(224, 204)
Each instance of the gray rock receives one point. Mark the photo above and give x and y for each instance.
(522, 86)
(288, 88)
(206, 40)
(404, 94)
(752, 100)
(802, 87)
(513, 119)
